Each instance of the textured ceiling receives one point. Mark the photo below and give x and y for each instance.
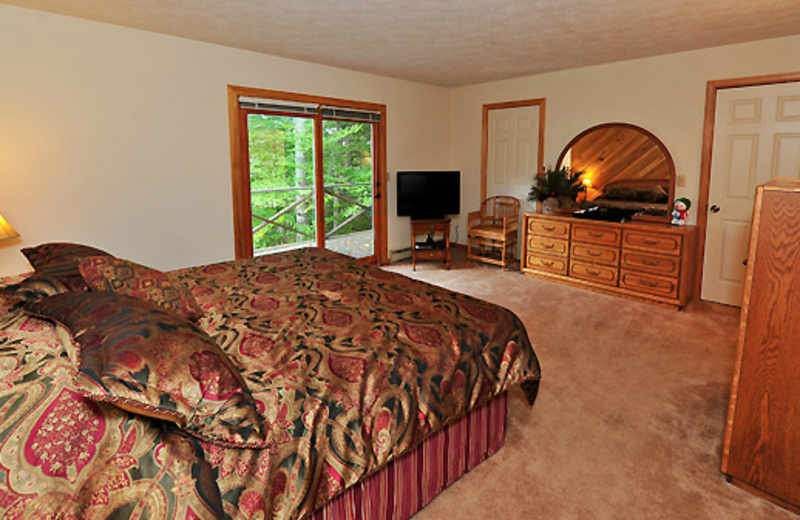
(449, 42)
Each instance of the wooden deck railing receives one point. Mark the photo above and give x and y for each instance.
(291, 229)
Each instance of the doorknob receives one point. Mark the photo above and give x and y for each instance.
(714, 208)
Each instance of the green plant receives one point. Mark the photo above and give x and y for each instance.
(557, 183)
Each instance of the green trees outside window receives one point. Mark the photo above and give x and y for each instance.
(282, 180)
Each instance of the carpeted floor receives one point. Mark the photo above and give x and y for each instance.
(630, 418)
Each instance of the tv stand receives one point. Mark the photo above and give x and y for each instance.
(432, 247)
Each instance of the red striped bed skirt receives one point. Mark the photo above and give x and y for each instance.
(408, 484)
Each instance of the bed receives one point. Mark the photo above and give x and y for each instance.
(648, 196)
(373, 391)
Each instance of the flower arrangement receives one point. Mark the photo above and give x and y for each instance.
(562, 183)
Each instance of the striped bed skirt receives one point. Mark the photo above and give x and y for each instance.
(408, 484)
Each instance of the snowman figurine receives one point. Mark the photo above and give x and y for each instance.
(680, 211)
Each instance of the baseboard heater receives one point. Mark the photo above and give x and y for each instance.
(399, 254)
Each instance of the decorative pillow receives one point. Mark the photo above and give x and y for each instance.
(144, 359)
(105, 273)
(619, 194)
(36, 287)
(653, 194)
(56, 253)
(59, 260)
(641, 194)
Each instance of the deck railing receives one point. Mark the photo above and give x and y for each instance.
(291, 228)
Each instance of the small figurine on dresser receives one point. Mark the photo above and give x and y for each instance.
(680, 211)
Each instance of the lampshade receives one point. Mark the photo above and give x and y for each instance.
(6, 231)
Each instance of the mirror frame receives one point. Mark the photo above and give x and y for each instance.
(649, 134)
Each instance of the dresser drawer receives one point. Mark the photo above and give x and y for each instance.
(593, 272)
(548, 228)
(551, 265)
(595, 254)
(596, 235)
(648, 262)
(654, 242)
(647, 283)
(431, 254)
(548, 246)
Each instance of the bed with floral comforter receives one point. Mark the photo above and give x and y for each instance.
(349, 366)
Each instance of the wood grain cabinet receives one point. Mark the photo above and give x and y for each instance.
(762, 439)
(651, 262)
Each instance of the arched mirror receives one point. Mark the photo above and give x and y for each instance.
(624, 167)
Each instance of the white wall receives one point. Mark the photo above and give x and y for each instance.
(664, 94)
(119, 138)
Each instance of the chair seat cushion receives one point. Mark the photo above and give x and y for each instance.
(487, 231)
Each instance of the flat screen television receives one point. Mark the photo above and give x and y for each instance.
(428, 194)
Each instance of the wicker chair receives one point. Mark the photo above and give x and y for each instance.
(492, 231)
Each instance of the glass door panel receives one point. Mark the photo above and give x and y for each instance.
(348, 180)
(282, 192)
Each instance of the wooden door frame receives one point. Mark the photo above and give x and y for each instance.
(240, 171)
(708, 146)
(540, 102)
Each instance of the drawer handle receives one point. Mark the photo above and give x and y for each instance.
(548, 246)
(596, 234)
(546, 262)
(594, 253)
(593, 272)
(647, 283)
(549, 228)
(651, 263)
(651, 241)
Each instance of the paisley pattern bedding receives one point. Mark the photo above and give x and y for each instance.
(349, 366)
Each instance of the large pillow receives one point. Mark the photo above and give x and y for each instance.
(59, 261)
(106, 273)
(144, 359)
(650, 194)
(36, 287)
(57, 253)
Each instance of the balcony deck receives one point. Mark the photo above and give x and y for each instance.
(357, 245)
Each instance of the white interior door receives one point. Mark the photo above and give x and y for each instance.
(756, 138)
(513, 151)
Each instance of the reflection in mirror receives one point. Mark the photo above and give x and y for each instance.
(625, 167)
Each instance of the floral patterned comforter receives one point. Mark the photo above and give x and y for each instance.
(349, 365)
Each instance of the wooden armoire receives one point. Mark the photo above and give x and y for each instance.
(762, 438)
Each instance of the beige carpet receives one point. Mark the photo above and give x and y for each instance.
(630, 417)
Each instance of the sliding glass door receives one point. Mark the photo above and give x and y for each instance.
(311, 179)
(282, 191)
(348, 181)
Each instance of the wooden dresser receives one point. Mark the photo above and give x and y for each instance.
(762, 439)
(651, 262)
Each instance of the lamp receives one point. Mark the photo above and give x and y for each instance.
(6, 231)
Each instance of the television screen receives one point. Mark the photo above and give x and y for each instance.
(428, 194)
